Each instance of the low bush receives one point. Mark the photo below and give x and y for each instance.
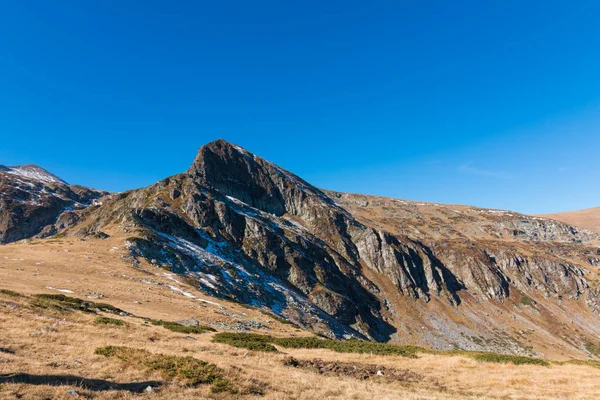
(59, 302)
(9, 293)
(109, 321)
(589, 363)
(348, 346)
(503, 358)
(250, 341)
(188, 370)
(64, 303)
(593, 348)
(175, 327)
(59, 298)
(266, 343)
(527, 301)
(256, 342)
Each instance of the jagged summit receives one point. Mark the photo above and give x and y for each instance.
(236, 172)
(34, 172)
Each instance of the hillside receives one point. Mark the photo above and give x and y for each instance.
(54, 349)
(588, 218)
(352, 266)
(34, 202)
(239, 244)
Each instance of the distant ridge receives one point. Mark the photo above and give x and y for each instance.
(588, 218)
(33, 171)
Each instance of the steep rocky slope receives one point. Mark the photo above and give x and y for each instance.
(35, 202)
(239, 227)
(347, 265)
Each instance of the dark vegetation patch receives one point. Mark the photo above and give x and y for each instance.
(187, 370)
(63, 303)
(589, 363)
(347, 346)
(109, 321)
(527, 301)
(176, 327)
(593, 348)
(250, 341)
(355, 370)
(490, 357)
(266, 343)
(257, 342)
(9, 293)
(506, 359)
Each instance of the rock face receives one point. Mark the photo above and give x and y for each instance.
(346, 265)
(34, 201)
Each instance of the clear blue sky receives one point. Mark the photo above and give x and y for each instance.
(491, 103)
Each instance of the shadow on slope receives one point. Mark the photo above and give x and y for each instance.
(96, 385)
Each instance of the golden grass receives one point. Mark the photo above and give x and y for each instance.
(588, 218)
(69, 349)
(47, 342)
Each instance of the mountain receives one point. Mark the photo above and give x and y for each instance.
(588, 218)
(35, 202)
(355, 266)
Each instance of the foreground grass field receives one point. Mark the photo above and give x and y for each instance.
(78, 321)
(65, 348)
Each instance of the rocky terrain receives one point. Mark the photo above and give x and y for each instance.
(342, 265)
(36, 202)
(588, 218)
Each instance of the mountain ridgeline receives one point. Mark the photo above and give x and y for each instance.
(350, 266)
(34, 202)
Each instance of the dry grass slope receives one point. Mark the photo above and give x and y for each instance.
(47, 352)
(49, 340)
(588, 218)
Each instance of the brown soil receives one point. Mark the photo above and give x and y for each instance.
(355, 370)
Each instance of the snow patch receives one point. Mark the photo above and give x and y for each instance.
(59, 290)
(34, 172)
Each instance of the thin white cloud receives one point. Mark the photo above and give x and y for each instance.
(468, 168)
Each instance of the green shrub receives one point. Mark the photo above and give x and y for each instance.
(589, 363)
(195, 371)
(107, 308)
(593, 348)
(265, 343)
(9, 293)
(109, 321)
(503, 358)
(250, 341)
(221, 385)
(527, 301)
(60, 298)
(175, 327)
(347, 346)
(187, 369)
(65, 303)
(59, 302)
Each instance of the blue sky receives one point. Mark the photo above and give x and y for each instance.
(495, 104)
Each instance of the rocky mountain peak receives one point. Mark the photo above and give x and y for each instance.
(34, 201)
(32, 171)
(235, 172)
